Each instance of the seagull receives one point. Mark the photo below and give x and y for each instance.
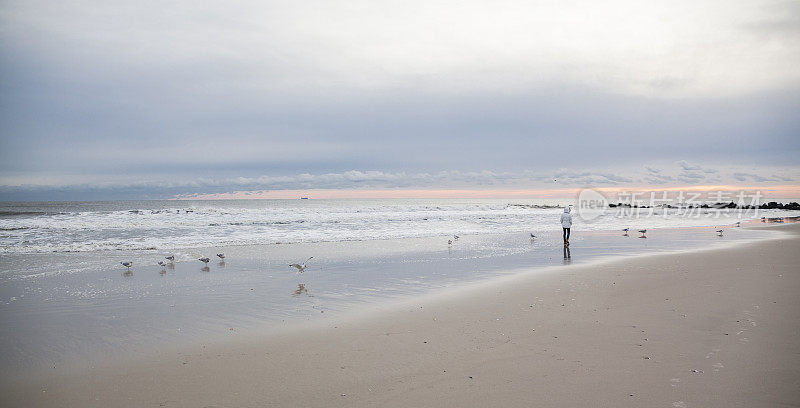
(162, 263)
(719, 232)
(533, 236)
(449, 242)
(170, 258)
(455, 237)
(626, 229)
(221, 256)
(203, 260)
(301, 267)
(127, 264)
(643, 231)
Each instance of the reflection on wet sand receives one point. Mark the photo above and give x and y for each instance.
(163, 272)
(301, 288)
(127, 273)
(205, 269)
(567, 255)
(221, 264)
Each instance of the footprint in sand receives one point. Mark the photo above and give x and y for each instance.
(674, 382)
(713, 351)
(679, 404)
(717, 366)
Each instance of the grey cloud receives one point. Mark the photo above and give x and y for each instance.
(758, 178)
(658, 179)
(686, 166)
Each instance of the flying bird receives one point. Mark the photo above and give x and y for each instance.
(301, 267)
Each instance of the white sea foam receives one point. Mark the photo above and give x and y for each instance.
(174, 225)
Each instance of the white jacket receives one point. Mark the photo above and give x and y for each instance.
(566, 218)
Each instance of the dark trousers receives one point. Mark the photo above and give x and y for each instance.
(566, 234)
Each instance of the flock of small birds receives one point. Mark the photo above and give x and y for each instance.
(171, 258)
(301, 267)
(625, 230)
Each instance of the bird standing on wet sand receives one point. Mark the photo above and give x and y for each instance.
(456, 237)
(719, 232)
(301, 267)
(127, 264)
(170, 258)
(643, 231)
(533, 236)
(449, 242)
(204, 260)
(162, 263)
(221, 256)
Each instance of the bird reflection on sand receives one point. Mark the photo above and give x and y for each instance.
(301, 288)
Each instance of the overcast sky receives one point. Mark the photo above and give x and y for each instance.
(122, 99)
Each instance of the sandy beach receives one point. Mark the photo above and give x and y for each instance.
(715, 328)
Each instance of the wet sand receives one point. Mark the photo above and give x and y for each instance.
(715, 328)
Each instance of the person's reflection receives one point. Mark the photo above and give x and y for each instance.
(301, 288)
(567, 256)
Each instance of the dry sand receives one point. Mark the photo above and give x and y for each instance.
(716, 328)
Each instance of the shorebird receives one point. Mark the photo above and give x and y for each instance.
(456, 237)
(221, 256)
(449, 242)
(626, 229)
(170, 258)
(643, 231)
(301, 267)
(738, 223)
(127, 264)
(204, 260)
(719, 232)
(532, 236)
(162, 263)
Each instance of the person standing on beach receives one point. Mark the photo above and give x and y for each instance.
(566, 224)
